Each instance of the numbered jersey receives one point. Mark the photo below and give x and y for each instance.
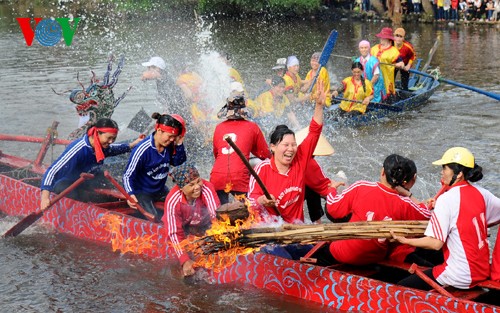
(459, 220)
(228, 168)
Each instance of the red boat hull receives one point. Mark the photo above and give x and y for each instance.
(332, 288)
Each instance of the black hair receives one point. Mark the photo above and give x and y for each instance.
(279, 132)
(105, 122)
(276, 80)
(399, 170)
(470, 174)
(358, 65)
(166, 119)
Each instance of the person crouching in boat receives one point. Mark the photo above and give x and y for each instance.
(284, 173)
(357, 88)
(147, 169)
(458, 224)
(372, 201)
(371, 71)
(83, 155)
(229, 174)
(189, 210)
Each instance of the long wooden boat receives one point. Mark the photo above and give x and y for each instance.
(109, 221)
(421, 89)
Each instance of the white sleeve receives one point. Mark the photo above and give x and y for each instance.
(492, 206)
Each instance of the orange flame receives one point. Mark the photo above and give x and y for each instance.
(229, 187)
(226, 234)
(113, 223)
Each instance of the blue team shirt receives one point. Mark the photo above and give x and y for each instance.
(147, 169)
(78, 157)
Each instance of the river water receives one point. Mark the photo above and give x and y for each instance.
(46, 272)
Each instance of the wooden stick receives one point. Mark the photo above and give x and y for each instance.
(33, 217)
(250, 168)
(148, 215)
(414, 269)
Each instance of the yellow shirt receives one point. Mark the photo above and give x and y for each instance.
(235, 76)
(355, 91)
(325, 78)
(388, 55)
(267, 103)
(293, 82)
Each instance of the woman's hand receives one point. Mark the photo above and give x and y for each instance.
(319, 96)
(179, 140)
(133, 205)
(135, 142)
(336, 184)
(187, 268)
(262, 200)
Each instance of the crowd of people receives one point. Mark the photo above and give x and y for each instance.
(448, 10)
(458, 218)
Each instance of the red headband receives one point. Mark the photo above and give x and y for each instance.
(93, 131)
(168, 129)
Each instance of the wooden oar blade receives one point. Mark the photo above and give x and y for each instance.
(23, 224)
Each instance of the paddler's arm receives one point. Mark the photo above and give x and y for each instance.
(424, 242)
(45, 201)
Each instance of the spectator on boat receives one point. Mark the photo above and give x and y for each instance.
(293, 82)
(189, 210)
(371, 71)
(147, 169)
(277, 70)
(170, 94)
(234, 75)
(372, 201)
(284, 173)
(323, 76)
(229, 174)
(407, 53)
(458, 225)
(273, 107)
(356, 88)
(389, 58)
(84, 155)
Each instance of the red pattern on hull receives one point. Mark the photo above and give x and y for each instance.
(331, 288)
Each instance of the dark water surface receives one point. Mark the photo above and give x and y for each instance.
(46, 272)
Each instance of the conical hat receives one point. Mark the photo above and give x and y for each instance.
(322, 148)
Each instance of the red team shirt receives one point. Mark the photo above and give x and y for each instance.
(369, 201)
(287, 188)
(460, 220)
(228, 166)
(179, 215)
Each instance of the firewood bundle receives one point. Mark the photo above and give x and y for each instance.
(306, 234)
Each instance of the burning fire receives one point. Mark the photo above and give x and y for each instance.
(113, 224)
(229, 187)
(225, 234)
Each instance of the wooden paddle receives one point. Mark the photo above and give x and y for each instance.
(33, 217)
(148, 215)
(378, 105)
(250, 168)
(325, 55)
(493, 95)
